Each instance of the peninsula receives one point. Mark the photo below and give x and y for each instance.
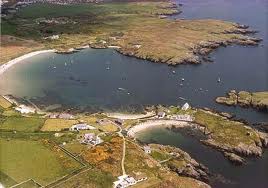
(128, 27)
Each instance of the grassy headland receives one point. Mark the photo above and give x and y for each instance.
(134, 28)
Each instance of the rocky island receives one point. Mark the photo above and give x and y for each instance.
(257, 100)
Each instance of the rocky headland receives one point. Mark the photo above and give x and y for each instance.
(257, 100)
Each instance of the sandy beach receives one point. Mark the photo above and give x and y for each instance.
(157, 123)
(12, 62)
(130, 116)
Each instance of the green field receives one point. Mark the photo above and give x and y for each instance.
(22, 160)
(20, 123)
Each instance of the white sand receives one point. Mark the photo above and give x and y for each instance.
(157, 123)
(130, 116)
(9, 64)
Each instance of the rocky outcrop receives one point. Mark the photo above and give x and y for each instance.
(182, 163)
(235, 159)
(258, 100)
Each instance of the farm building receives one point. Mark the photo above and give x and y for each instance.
(81, 126)
(147, 149)
(186, 106)
(119, 121)
(182, 117)
(91, 138)
(161, 115)
(66, 116)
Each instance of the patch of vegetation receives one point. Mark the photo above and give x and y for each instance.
(159, 156)
(92, 177)
(6, 180)
(106, 156)
(27, 124)
(101, 179)
(225, 131)
(36, 160)
(57, 124)
(4, 103)
(28, 184)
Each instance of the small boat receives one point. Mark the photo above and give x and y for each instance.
(121, 89)
(173, 72)
(182, 98)
(181, 84)
(108, 68)
(65, 64)
(219, 80)
(182, 79)
(54, 67)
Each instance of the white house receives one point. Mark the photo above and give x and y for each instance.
(81, 126)
(91, 138)
(124, 181)
(185, 107)
(147, 149)
(161, 115)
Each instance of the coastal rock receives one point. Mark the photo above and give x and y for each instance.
(248, 150)
(230, 100)
(264, 138)
(244, 98)
(183, 164)
(258, 100)
(235, 159)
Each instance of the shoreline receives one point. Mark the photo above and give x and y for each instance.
(6, 66)
(125, 116)
(158, 123)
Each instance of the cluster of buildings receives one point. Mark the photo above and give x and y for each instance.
(91, 138)
(61, 116)
(186, 106)
(52, 37)
(185, 117)
(126, 181)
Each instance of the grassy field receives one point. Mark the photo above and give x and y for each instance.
(28, 184)
(20, 123)
(4, 103)
(12, 47)
(57, 124)
(159, 156)
(6, 180)
(91, 178)
(36, 160)
(225, 131)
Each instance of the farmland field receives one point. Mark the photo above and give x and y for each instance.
(27, 124)
(4, 103)
(37, 161)
(57, 124)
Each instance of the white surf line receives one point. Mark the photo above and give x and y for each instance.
(12, 62)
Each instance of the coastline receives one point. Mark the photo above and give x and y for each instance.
(130, 116)
(12, 62)
(157, 123)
